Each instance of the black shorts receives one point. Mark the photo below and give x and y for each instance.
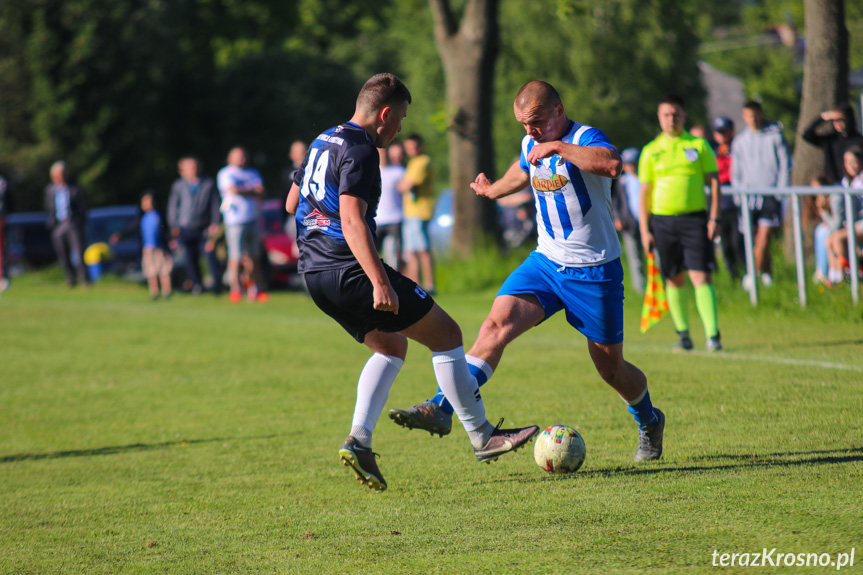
(765, 211)
(346, 295)
(682, 243)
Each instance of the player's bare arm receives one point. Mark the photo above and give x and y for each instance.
(644, 217)
(293, 200)
(352, 211)
(514, 180)
(596, 160)
(712, 179)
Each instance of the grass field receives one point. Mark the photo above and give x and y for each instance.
(195, 436)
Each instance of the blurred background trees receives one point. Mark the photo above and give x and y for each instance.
(121, 90)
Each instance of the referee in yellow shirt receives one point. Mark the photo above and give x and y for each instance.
(676, 220)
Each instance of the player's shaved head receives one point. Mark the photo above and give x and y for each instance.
(537, 93)
(538, 108)
(382, 90)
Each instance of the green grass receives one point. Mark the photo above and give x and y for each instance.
(195, 436)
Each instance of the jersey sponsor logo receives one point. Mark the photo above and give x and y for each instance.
(544, 180)
(553, 184)
(421, 292)
(691, 154)
(316, 221)
(331, 139)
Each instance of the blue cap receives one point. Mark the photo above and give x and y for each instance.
(630, 156)
(721, 123)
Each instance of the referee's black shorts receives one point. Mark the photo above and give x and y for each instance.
(347, 296)
(682, 243)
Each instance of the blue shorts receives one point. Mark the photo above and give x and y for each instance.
(592, 296)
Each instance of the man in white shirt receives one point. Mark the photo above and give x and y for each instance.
(241, 189)
(389, 215)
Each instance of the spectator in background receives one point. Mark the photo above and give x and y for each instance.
(156, 260)
(834, 131)
(418, 189)
(193, 216)
(698, 131)
(517, 217)
(67, 218)
(296, 154)
(241, 190)
(5, 201)
(825, 227)
(625, 201)
(760, 159)
(676, 218)
(389, 213)
(731, 240)
(837, 243)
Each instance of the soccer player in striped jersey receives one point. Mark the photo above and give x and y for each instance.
(576, 266)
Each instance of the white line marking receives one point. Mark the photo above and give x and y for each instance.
(721, 355)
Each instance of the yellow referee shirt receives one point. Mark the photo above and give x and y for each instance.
(676, 168)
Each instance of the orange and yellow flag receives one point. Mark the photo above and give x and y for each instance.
(655, 304)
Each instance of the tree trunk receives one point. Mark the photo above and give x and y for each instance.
(825, 83)
(468, 53)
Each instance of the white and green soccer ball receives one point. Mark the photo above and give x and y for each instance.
(559, 449)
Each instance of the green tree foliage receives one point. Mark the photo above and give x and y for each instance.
(611, 61)
(120, 90)
(771, 73)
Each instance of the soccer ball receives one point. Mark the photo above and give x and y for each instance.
(559, 449)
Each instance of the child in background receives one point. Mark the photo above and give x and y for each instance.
(156, 261)
(825, 227)
(837, 243)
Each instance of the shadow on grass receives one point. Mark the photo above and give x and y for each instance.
(112, 450)
(741, 461)
(829, 343)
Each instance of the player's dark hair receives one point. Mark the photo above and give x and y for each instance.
(382, 90)
(753, 105)
(415, 138)
(673, 99)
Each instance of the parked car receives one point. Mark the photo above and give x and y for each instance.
(102, 223)
(280, 247)
(28, 241)
(440, 226)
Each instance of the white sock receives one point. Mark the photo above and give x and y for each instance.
(363, 435)
(482, 365)
(373, 389)
(460, 388)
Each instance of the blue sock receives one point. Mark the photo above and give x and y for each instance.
(439, 398)
(643, 411)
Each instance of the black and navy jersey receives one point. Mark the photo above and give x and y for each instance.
(342, 160)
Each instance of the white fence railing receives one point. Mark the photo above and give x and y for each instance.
(794, 194)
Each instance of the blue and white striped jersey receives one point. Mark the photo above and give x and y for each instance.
(573, 208)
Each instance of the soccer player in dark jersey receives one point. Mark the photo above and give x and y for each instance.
(334, 196)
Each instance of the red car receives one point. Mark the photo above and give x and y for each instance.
(280, 246)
